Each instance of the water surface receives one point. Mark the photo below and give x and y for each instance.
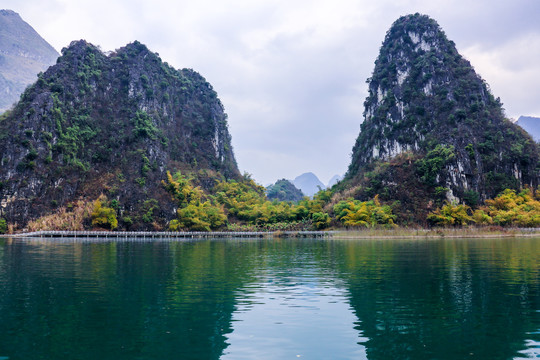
(270, 299)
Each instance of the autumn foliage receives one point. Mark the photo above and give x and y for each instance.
(510, 208)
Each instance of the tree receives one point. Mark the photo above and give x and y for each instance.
(321, 220)
(3, 226)
(451, 214)
(514, 209)
(181, 189)
(199, 217)
(104, 216)
(364, 213)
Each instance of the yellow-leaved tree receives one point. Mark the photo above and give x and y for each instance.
(196, 211)
(103, 216)
(358, 213)
(511, 208)
(451, 214)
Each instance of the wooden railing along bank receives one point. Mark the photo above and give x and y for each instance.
(170, 234)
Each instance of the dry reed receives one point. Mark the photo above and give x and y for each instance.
(71, 217)
(463, 232)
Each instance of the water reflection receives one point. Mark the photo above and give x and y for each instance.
(300, 313)
(445, 299)
(123, 300)
(270, 299)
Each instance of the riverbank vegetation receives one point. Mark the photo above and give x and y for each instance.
(74, 216)
(242, 205)
(470, 231)
(510, 208)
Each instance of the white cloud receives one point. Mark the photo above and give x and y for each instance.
(513, 72)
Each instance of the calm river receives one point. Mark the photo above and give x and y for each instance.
(270, 299)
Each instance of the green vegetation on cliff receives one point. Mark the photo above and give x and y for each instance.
(125, 142)
(3, 226)
(110, 125)
(432, 130)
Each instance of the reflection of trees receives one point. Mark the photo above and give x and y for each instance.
(444, 299)
(150, 300)
(414, 300)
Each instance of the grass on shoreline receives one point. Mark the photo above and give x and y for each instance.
(382, 233)
(419, 233)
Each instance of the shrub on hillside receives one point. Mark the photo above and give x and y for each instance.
(364, 213)
(104, 216)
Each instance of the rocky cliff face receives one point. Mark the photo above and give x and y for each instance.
(109, 124)
(426, 100)
(23, 54)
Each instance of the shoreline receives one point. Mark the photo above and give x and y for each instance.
(170, 234)
(345, 234)
(438, 233)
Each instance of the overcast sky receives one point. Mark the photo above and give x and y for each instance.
(292, 73)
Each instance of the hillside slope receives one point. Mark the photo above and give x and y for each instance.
(284, 190)
(23, 54)
(432, 127)
(114, 125)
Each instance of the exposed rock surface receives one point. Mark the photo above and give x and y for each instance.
(426, 100)
(109, 124)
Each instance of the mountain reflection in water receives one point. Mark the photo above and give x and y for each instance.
(270, 299)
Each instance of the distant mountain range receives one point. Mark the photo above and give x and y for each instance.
(23, 54)
(309, 183)
(334, 180)
(531, 125)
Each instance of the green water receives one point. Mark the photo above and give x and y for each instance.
(270, 299)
